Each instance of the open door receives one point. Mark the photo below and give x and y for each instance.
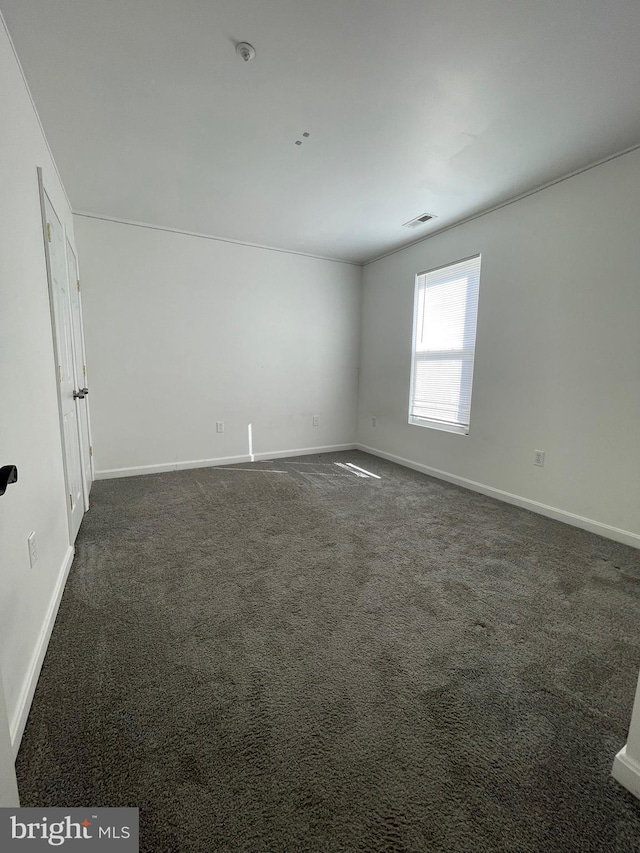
(80, 365)
(68, 392)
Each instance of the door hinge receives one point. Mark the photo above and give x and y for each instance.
(90, 450)
(49, 232)
(71, 502)
(84, 370)
(59, 373)
(78, 284)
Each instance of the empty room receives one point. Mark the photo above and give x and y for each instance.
(320, 425)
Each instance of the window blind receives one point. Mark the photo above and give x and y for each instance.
(444, 336)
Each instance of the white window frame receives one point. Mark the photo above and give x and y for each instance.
(466, 353)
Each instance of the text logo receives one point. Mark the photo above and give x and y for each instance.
(103, 829)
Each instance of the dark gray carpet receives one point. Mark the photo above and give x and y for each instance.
(312, 661)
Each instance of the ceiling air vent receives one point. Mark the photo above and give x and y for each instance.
(419, 220)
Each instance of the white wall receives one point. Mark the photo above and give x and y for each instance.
(558, 351)
(29, 425)
(183, 331)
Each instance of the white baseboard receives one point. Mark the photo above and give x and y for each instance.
(606, 530)
(19, 720)
(302, 451)
(626, 770)
(138, 470)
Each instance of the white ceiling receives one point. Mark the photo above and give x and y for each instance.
(439, 106)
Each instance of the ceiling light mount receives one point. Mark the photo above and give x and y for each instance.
(245, 51)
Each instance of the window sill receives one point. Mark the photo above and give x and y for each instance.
(454, 428)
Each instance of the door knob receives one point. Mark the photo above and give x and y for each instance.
(81, 394)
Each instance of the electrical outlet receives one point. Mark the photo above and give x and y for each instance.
(219, 426)
(316, 420)
(374, 421)
(33, 548)
(538, 458)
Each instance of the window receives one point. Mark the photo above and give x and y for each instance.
(444, 338)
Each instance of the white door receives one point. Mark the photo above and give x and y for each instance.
(62, 326)
(80, 365)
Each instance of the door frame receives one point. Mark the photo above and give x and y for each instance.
(9, 797)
